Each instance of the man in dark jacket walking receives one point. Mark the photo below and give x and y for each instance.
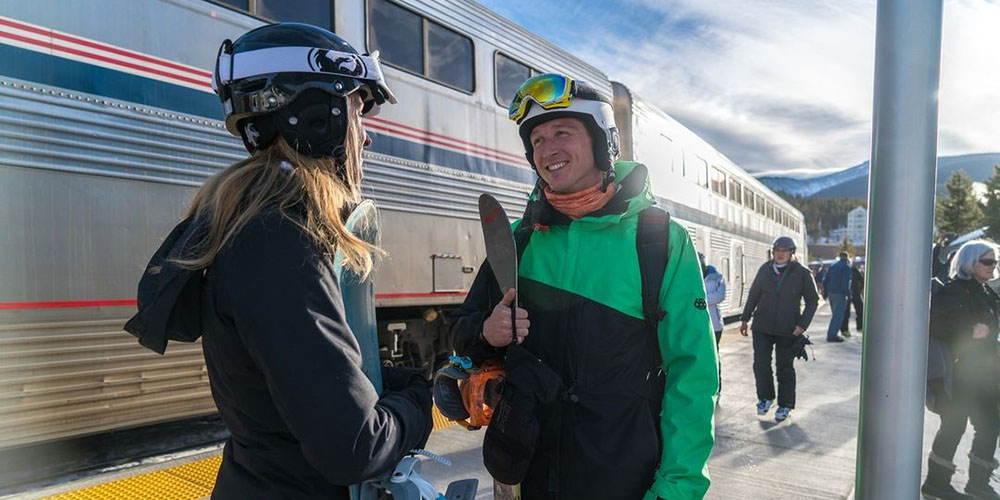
(837, 289)
(774, 303)
(857, 300)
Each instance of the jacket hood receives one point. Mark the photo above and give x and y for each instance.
(634, 195)
(169, 296)
(712, 271)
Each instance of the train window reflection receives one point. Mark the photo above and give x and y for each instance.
(449, 57)
(700, 172)
(735, 191)
(510, 74)
(315, 12)
(398, 34)
(239, 4)
(718, 181)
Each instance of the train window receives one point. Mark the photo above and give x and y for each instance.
(735, 191)
(698, 169)
(509, 74)
(418, 45)
(449, 57)
(398, 34)
(759, 205)
(718, 181)
(239, 4)
(315, 12)
(748, 197)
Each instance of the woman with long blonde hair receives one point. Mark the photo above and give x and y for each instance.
(251, 270)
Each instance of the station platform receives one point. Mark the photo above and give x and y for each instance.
(810, 456)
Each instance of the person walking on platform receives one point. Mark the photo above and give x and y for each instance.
(965, 314)
(616, 399)
(774, 303)
(837, 289)
(715, 293)
(252, 270)
(857, 300)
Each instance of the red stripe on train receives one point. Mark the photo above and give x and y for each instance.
(66, 304)
(70, 304)
(105, 47)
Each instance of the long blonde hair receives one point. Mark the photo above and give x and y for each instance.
(313, 194)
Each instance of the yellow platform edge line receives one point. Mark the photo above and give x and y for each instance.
(439, 421)
(183, 482)
(160, 484)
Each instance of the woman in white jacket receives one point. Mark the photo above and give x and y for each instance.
(715, 293)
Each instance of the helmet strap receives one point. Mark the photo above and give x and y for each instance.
(609, 177)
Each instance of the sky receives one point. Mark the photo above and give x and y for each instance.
(778, 86)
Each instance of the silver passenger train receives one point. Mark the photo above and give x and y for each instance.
(108, 124)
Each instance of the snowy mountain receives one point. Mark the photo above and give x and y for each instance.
(812, 185)
(853, 182)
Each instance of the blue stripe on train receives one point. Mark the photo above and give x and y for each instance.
(401, 148)
(24, 64)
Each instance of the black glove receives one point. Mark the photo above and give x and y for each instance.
(395, 378)
(411, 385)
(799, 347)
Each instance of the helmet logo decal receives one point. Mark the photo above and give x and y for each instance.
(331, 61)
(251, 133)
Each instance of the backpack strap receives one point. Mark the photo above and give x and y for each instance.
(652, 242)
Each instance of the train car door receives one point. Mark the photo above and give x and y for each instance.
(737, 274)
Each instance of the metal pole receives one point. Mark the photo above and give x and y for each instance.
(901, 208)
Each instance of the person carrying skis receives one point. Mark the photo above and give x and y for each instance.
(632, 416)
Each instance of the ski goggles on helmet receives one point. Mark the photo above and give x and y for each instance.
(549, 90)
(248, 82)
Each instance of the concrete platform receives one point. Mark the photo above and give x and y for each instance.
(809, 456)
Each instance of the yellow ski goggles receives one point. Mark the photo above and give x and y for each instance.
(549, 90)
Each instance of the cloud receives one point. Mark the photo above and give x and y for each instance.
(774, 82)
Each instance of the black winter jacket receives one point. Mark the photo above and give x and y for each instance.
(775, 300)
(955, 310)
(285, 373)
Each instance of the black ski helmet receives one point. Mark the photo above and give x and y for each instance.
(292, 80)
(784, 242)
(586, 104)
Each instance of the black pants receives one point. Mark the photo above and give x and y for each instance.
(859, 312)
(968, 405)
(763, 344)
(718, 338)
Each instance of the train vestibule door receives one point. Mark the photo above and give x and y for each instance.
(737, 275)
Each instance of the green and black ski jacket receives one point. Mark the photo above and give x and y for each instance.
(636, 421)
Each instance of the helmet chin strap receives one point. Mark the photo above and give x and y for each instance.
(609, 177)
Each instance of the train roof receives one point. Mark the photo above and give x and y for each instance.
(716, 157)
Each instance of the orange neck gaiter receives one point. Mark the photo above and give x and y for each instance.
(576, 205)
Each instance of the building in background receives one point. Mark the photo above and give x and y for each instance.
(857, 225)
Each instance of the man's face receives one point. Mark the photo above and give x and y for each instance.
(782, 255)
(564, 155)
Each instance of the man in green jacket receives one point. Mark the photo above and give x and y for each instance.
(633, 417)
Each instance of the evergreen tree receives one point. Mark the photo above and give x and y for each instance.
(846, 246)
(960, 212)
(991, 210)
